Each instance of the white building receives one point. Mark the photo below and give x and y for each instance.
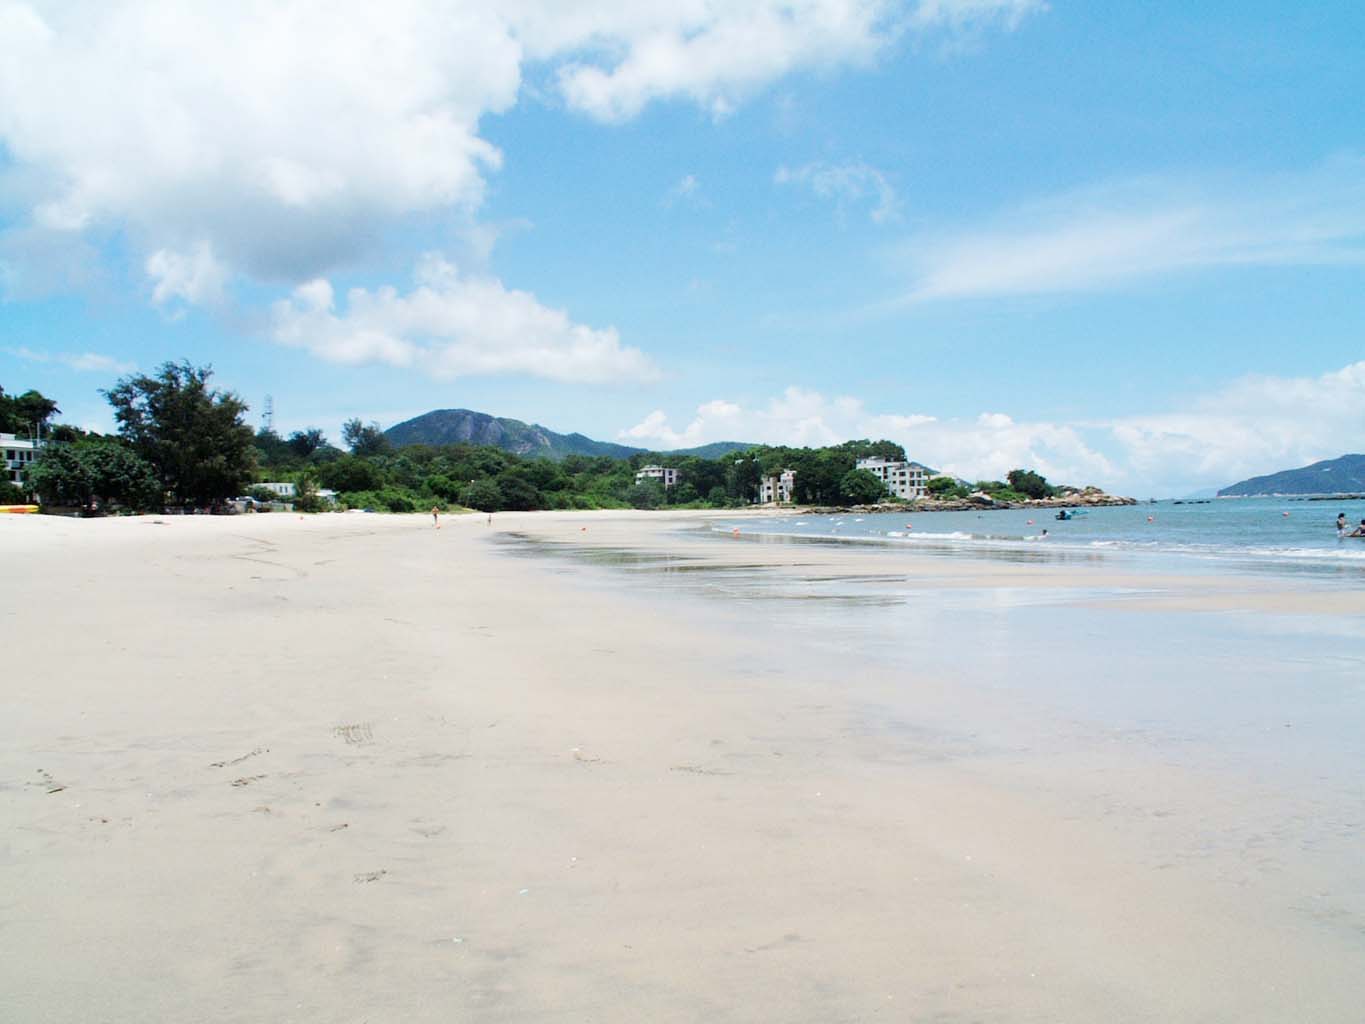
(777, 488)
(902, 479)
(19, 454)
(281, 490)
(666, 475)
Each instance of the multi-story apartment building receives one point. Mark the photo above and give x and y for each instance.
(902, 479)
(666, 475)
(19, 454)
(777, 487)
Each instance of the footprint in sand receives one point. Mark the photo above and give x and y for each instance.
(247, 780)
(370, 876)
(355, 735)
(239, 760)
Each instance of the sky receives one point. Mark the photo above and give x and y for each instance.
(1123, 244)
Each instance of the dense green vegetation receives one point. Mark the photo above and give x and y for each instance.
(375, 475)
(182, 442)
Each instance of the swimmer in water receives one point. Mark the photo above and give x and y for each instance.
(1341, 524)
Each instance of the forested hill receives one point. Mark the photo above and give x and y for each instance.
(1332, 476)
(454, 426)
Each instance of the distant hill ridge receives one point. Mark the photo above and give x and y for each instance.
(1332, 476)
(465, 426)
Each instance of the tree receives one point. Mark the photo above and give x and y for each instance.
(518, 493)
(364, 439)
(861, 487)
(646, 494)
(193, 436)
(271, 449)
(483, 495)
(94, 472)
(304, 443)
(349, 473)
(945, 487)
(26, 413)
(1029, 483)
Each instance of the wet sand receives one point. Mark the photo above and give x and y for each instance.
(351, 768)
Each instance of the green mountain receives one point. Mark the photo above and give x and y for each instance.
(464, 426)
(1334, 476)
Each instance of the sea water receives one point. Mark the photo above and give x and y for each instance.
(1262, 533)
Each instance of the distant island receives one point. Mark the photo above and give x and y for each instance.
(1332, 476)
(531, 440)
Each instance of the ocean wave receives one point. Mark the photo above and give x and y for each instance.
(962, 540)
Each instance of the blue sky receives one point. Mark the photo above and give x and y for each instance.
(1123, 243)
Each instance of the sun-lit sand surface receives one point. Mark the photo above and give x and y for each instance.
(589, 767)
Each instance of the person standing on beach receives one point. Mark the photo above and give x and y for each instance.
(436, 516)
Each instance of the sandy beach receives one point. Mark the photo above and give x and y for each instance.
(602, 767)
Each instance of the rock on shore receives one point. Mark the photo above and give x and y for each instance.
(1089, 497)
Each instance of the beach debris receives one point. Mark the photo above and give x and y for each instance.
(239, 760)
(523, 892)
(370, 876)
(247, 780)
(356, 734)
(582, 758)
(338, 828)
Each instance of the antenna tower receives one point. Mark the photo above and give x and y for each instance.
(268, 415)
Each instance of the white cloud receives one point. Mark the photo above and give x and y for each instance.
(846, 185)
(964, 14)
(284, 137)
(279, 136)
(1253, 425)
(453, 325)
(80, 361)
(1110, 235)
(195, 277)
(716, 54)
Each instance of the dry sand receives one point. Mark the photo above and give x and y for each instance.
(351, 768)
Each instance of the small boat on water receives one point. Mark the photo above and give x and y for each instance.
(1066, 514)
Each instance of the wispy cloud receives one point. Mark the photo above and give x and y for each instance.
(687, 190)
(84, 362)
(846, 185)
(1115, 234)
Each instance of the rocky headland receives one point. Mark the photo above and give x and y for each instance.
(1089, 497)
